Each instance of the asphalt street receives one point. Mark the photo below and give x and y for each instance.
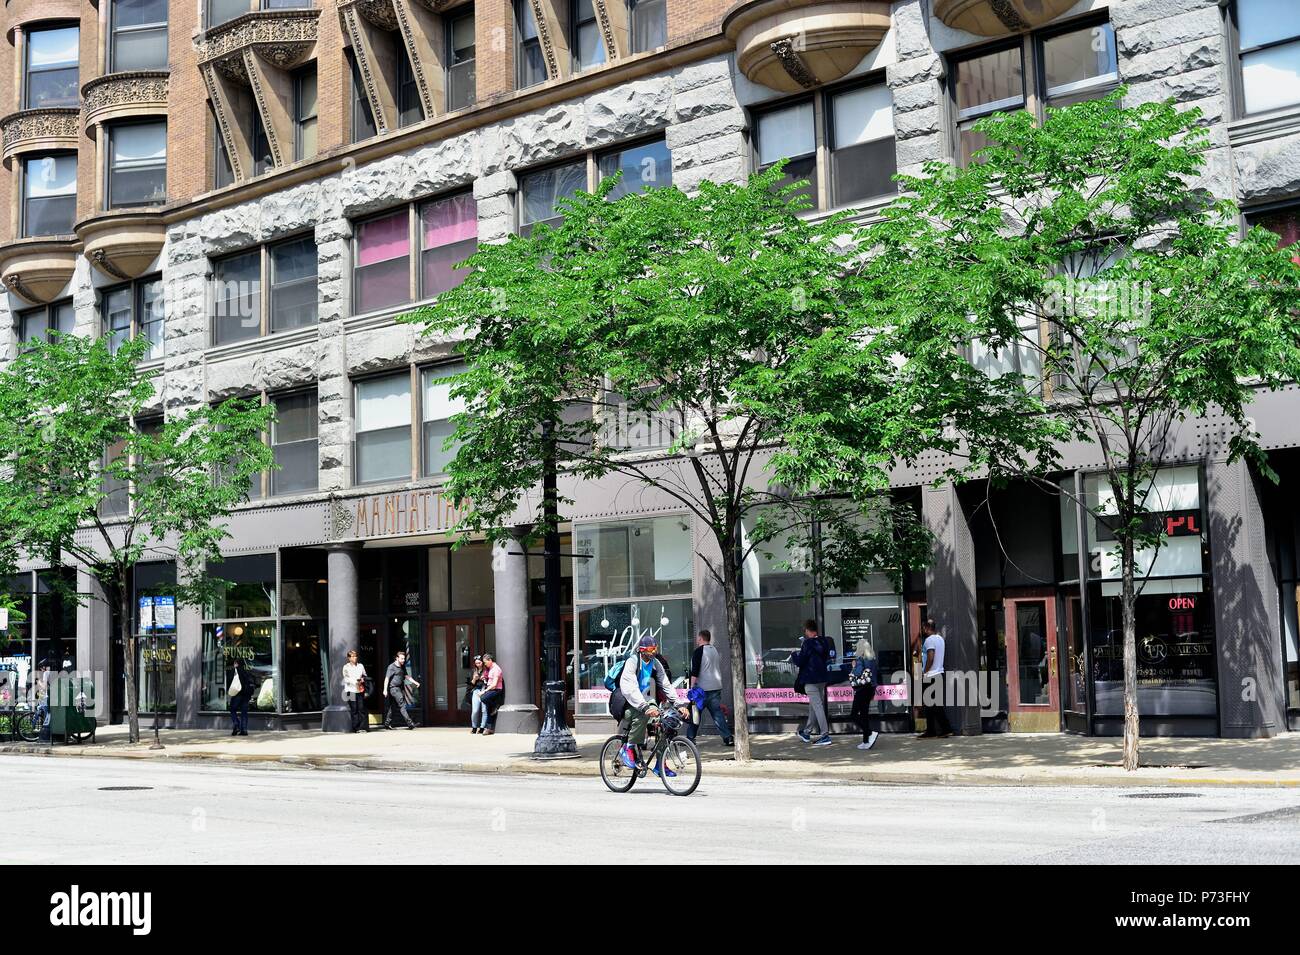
(108, 811)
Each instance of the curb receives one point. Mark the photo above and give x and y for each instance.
(588, 769)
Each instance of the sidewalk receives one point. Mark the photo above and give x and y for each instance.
(1004, 759)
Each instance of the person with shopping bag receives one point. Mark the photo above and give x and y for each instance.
(238, 694)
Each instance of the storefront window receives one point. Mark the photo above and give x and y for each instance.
(609, 632)
(303, 665)
(252, 641)
(154, 603)
(641, 558)
(1175, 615)
(252, 590)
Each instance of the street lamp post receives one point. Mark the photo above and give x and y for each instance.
(554, 741)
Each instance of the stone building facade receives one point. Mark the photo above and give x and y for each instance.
(242, 182)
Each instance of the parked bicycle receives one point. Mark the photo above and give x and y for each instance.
(677, 758)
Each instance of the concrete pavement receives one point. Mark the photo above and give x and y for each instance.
(166, 812)
(1006, 759)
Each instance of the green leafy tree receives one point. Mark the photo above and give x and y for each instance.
(1085, 249)
(714, 331)
(84, 482)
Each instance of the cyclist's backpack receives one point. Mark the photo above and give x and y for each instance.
(614, 674)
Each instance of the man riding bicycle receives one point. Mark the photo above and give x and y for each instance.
(641, 675)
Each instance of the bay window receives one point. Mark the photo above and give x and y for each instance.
(38, 323)
(137, 35)
(49, 194)
(51, 68)
(137, 164)
(1268, 54)
(1051, 68)
(845, 135)
(382, 449)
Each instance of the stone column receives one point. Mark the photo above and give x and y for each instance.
(95, 644)
(950, 597)
(1252, 701)
(519, 713)
(344, 563)
(189, 665)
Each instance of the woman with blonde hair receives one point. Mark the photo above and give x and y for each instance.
(864, 678)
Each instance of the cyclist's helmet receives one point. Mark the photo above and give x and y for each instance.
(647, 645)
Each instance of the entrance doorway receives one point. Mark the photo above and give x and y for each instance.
(451, 646)
(1033, 674)
(566, 663)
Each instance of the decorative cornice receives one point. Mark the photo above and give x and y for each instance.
(437, 6)
(281, 37)
(378, 12)
(38, 269)
(259, 103)
(792, 63)
(140, 91)
(999, 17)
(544, 38)
(40, 130)
(224, 129)
(99, 258)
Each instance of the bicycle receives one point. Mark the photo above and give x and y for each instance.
(26, 721)
(674, 754)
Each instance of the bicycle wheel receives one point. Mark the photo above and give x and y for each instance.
(29, 727)
(616, 776)
(681, 758)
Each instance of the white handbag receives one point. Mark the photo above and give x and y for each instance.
(235, 687)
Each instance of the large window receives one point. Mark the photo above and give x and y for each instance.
(530, 65)
(241, 312)
(386, 273)
(437, 407)
(1175, 616)
(133, 310)
(845, 135)
(1268, 44)
(138, 35)
(39, 323)
(51, 68)
(460, 60)
(644, 165)
(588, 45)
(137, 164)
(304, 112)
(294, 443)
(626, 577)
(1053, 68)
(649, 24)
(240, 623)
(49, 194)
(153, 604)
(383, 428)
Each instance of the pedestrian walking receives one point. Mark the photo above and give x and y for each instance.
(811, 658)
(240, 692)
(355, 685)
(706, 675)
(474, 693)
(494, 690)
(936, 717)
(863, 678)
(396, 681)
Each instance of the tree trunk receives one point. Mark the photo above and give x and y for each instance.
(129, 651)
(1127, 600)
(736, 641)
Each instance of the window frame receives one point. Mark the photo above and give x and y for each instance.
(576, 28)
(265, 290)
(24, 216)
(449, 58)
(26, 90)
(414, 250)
(270, 489)
(47, 312)
(1033, 66)
(633, 33)
(411, 372)
(1237, 81)
(523, 44)
(591, 158)
(359, 109)
(408, 91)
(301, 119)
(110, 54)
(441, 369)
(822, 101)
(136, 289)
(109, 131)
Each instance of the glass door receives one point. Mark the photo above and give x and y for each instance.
(451, 648)
(1074, 666)
(1034, 702)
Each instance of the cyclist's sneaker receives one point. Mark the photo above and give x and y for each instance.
(824, 741)
(803, 736)
(661, 770)
(629, 757)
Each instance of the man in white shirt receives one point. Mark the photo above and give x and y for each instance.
(706, 673)
(936, 717)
